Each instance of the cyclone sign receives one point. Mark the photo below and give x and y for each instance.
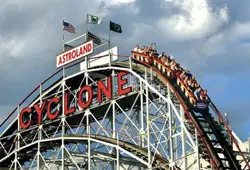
(52, 108)
(74, 54)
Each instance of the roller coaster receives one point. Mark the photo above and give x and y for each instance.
(132, 113)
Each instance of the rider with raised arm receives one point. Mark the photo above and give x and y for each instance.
(203, 95)
(183, 75)
(142, 49)
(167, 61)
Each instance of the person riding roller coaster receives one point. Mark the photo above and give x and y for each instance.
(173, 71)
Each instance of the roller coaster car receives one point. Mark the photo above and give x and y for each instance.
(166, 70)
(202, 106)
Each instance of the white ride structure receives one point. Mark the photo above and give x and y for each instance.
(145, 127)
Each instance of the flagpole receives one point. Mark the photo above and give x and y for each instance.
(109, 46)
(109, 39)
(63, 42)
(63, 39)
(86, 38)
(63, 48)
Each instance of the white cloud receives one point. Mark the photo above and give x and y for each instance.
(118, 2)
(11, 47)
(195, 19)
(207, 48)
(228, 48)
(236, 35)
(240, 31)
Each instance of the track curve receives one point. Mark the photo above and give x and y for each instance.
(228, 160)
(194, 120)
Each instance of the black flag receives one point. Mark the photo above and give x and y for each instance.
(115, 27)
(95, 38)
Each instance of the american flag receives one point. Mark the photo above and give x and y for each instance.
(68, 27)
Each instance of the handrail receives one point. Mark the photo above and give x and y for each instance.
(5, 120)
(51, 76)
(229, 132)
(38, 86)
(241, 144)
(19, 105)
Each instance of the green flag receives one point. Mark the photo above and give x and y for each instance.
(91, 19)
(115, 27)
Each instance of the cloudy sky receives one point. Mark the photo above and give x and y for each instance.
(209, 37)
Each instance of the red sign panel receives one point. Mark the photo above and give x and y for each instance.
(74, 54)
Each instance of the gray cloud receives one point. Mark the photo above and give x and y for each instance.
(31, 36)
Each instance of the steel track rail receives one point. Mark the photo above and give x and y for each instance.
(187, 112)
(134, 73)
(135, 149)
(205, 140)
(180, 99)
(136, 152)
